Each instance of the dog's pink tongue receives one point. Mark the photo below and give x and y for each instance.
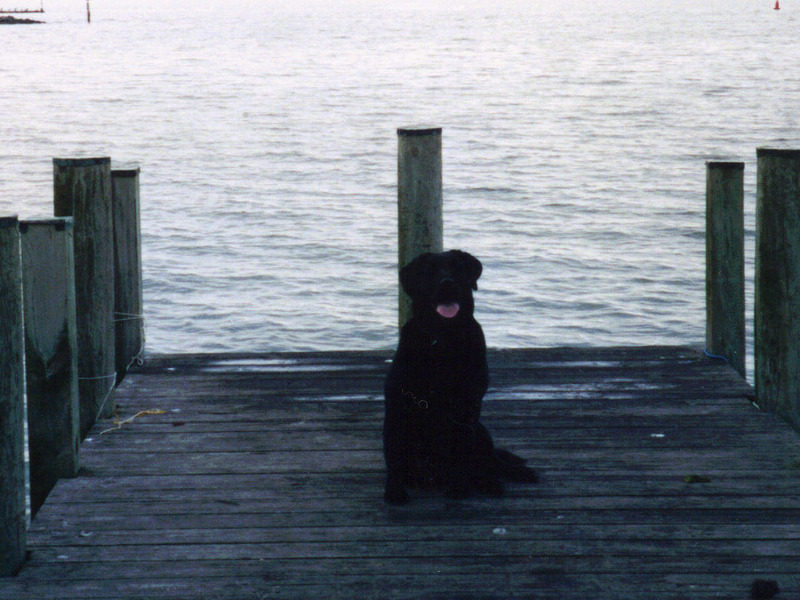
(448, 311)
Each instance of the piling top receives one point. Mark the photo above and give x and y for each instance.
(6, 222)
(777, 152)
(58, 223)
(126, 172)
(724, 164)
(419, 131)
(81, 162)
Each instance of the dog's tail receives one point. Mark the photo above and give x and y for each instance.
(513, 467)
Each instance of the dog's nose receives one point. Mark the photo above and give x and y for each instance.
(447, 289)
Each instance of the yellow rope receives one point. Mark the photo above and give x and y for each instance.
(120, 422)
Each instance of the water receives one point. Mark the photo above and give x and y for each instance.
(575, 137)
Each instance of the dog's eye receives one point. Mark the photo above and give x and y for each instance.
(429, 273)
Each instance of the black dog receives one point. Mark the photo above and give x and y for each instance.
(431, 434)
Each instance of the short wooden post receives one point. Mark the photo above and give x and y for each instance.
(127, 269)
(13, 520)
(83, 190)
(51, 358)
(725, 312)
(777, 287)
(419, 199)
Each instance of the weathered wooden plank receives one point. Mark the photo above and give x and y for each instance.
(78, 520)
(549, 577)
(276, 491)
(336, 507)
(263, 405)
(662, 547)
(689, 534)
(650, 435)
(554, 581)
(371, 363)
(311, 571)
(674, 493)
(577, 356)
(564, 482)
(598, 386)
(333, 461)
(545, 426)
(258, 394)
(446, 574)
(337, 390)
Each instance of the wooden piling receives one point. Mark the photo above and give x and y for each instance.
(127, 269)
(419, 199)
(82, 189)
(51, 359)
(777, 283)
(13, 520)
(725, 304)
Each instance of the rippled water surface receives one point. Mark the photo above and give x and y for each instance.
(575, 137)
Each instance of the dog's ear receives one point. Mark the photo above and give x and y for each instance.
(411, 274)
(473, 266)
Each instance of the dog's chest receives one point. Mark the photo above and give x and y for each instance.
(446, 360)
(440, 372)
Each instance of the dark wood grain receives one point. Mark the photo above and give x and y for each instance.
(263, 478)
(12, 403)
(82, 190)
(128, 317)
(51, 354)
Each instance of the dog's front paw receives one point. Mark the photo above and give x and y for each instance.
(458, 490)
(396, 495)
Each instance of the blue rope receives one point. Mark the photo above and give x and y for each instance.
(715, 356)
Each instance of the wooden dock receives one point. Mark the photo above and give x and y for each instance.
(260, 476)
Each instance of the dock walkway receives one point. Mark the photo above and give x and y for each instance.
(260, 476)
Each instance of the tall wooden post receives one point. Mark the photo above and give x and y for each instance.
(127, 269)
(13, 520)
(725, 312)
(83, 191)
(51, 359)
(777, 289)
(419, 199)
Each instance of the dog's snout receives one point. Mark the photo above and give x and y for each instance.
(447, 289)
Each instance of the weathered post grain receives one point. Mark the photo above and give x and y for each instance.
(127, 269)
(777, 285)
(419, 199)
(725, 310)
(51, 359)
(82, 189)
(13, 520)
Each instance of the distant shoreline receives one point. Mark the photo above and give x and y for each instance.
(16, 21)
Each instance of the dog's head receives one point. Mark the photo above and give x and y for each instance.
(440, 285)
